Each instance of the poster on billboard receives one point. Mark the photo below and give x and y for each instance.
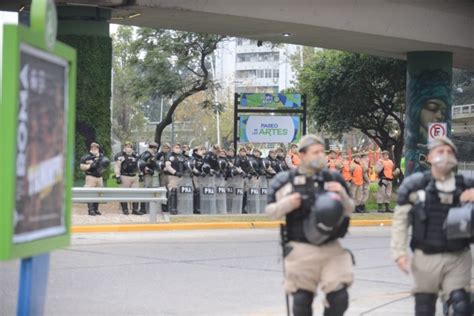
(40, 155)
(269, 129)
(37, 118)
(271, 101)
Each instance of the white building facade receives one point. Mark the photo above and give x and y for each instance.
(244, 66)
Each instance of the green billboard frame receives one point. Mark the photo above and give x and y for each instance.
(13, 37)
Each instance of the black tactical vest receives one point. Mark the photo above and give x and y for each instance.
(177, 162)
(309, 188)
(129, 166)
(429, 219)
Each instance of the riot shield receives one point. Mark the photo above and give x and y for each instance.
(263, 182)
(208, 194)
(185, 195)
(221, 200)
(237, 195)
(253, 195)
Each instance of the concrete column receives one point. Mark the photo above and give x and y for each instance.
(87, 30)
(429, 100)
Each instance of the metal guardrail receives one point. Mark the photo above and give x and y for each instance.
(154, 196)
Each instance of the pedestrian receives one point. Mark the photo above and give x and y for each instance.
(385, 169)
(94, 164)
(439, 265)
(126, 174)
(147, 164)
(310, 197)
(174, 166)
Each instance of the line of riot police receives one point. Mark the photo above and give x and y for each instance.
(200, 181)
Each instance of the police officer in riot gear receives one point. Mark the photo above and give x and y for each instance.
(242, 162)
(271, 164)
(126, 174)
(280, 155)
(211, 163)
(316, 205)
(439, 265)
(94, 164)
(174, 166)
(198, 173)
(147, 164)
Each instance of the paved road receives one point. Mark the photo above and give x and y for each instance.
(220, 272)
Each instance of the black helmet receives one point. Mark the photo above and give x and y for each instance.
(325, 217)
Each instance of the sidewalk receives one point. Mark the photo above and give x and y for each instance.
(112, 220)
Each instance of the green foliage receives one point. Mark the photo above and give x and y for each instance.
(128, 111)
(346, 91)
(463, 87)
(171, 64)
(93, 93)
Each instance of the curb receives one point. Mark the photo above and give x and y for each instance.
(120, 228)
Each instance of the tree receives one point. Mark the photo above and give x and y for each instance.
(463, 87)
(172, 64)
(127, 111)
(347, 90)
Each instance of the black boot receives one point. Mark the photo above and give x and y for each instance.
(96, 209)
(90, 209)
(196, 202)
(364, 210)
(143, 207)
(173, 201)
(244, 204)
(124, 208)
(387, 208)
(135, 208)
(425, 304)
(380, 209)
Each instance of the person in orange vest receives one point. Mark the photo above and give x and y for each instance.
(386, 171)
(357, 182)
(365, 163)
(292, 158)
(346, 169)
(333, 161)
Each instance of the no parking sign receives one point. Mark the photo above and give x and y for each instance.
(436, 130)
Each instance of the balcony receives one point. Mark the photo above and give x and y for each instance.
(463, 113)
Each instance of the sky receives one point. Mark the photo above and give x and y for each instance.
(8, 17)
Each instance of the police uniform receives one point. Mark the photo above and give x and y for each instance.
(126, 173)
(311, 262)
(94, 166)
(147, 163)
(198, 174)
(366, 185)
(175, 167)
(384, 168)
(439, 265)
(357, 181)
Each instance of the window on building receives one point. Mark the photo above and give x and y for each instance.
(260, 73)
(275, 89)
(245, 74)
(239, 42)
(246, 57)
(276, 73)
(268, 73)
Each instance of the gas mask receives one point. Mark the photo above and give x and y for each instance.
(444, 163)
(316, 164)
